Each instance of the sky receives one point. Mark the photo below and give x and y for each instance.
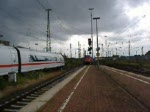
(122, 23)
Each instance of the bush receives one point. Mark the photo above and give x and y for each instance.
(3, 83)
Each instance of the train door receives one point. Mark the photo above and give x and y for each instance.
(14, 60)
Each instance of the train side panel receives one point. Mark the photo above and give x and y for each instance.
(24, 56)
(16, 60)
(36, 60)
(8, 60)
(61, 60)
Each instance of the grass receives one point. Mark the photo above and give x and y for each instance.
(3, 83)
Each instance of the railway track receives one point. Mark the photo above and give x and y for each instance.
(141, 103)
(138, 71)
(15, 103)
(124, 87)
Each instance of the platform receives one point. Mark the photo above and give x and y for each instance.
(92, 91)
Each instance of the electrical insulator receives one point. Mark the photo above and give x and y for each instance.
(89, 41)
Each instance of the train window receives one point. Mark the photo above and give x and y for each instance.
(42, 58)
(35, 58)
(31, 58)
(46, 58)
(54, 58)
(39, 58)
(49, 58)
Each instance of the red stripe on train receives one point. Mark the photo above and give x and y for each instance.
(8, 65)
(26, 64)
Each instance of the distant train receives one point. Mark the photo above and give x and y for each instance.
(88, 59)
(19, 60)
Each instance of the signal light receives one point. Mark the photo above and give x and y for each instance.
(89, 48)
(90, 52)
(89, 41)
(97, 49)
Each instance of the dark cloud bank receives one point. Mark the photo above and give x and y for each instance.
(26, 20)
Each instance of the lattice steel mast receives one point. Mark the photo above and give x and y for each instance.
(48, 42)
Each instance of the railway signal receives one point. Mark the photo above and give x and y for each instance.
(89, 48)
(89, 41)
(97, 49)
(90, 45)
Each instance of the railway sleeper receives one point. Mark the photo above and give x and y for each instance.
(10, 110)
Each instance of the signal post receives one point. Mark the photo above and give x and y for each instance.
(90, 45)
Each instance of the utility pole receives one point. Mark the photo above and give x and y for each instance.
(116, 49)
(91, 29)
(84, 52)
(108, 50)
(48, 43)
(102, 50)
(96, 18)
(129, 48)
(70, 50)
(142, 50)
(79, 50)
(106, 47)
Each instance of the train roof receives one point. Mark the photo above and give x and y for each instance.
(27, 49)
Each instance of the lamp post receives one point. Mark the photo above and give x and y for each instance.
(96, 18)
(91, 29)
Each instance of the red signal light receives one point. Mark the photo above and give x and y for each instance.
(89, 41)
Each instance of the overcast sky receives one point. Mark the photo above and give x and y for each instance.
(24, 23)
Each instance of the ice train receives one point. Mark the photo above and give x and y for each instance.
(19, 60)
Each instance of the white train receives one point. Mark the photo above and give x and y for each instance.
(16, 60)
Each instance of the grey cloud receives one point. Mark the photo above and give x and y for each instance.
(26, 20)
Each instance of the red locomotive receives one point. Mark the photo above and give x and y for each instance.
(88, 59)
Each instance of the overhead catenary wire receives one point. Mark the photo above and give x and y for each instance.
(10, 15)
(12, 30)
(18, 20)
(42, 6)
(66, 26)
